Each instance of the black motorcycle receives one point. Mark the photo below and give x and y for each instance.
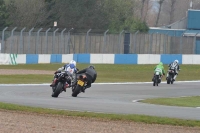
(156, 79)
(171, 74)
(79, 84)
(60, 83)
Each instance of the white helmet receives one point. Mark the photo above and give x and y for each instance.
(176, 61)
(73, 62)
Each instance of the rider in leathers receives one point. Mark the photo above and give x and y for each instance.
(159, 68)
(174, 66)
(91, 75)
(69, 69)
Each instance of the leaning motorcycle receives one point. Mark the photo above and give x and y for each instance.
(59, 85)
(156, 79)
(171, 74)
(79, 84)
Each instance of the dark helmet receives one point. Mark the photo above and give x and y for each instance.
(91, 67)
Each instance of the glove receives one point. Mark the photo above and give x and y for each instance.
(55, 72)
(77, 70)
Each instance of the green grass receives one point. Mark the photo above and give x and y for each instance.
(180, 101)
(133, 118)
(106, 73)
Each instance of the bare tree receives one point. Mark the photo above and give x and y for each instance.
(160, 2)
(175, 10)
(171, 13)
(142, 7)
(196, 4)
(147, 8)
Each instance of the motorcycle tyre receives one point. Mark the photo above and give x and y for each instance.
(76, 91)
(157, 80)
(154, 81)
(58, 90)
(169, 80)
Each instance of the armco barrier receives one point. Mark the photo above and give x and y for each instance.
(98, 58)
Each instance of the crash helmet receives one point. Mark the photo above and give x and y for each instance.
(161, 64)
(91, 66)
(176, 61)
(73, 62)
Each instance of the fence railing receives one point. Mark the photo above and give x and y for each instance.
(66, 42)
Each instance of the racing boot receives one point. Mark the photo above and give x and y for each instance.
(167, 76)
(53, 83)
(153, 78)
(65, 87)
(83, 89)
(174, 77)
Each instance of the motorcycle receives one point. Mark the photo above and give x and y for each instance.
(60, 83)
(79, 84)
(171, 75)
(156, 79)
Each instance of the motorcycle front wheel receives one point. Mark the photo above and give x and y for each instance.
(58, 90)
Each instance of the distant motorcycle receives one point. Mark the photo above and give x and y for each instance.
(156, 79)
(170, 76)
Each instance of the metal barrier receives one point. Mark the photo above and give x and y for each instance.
(60, 42)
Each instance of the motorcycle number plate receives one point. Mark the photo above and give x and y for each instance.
(81, 83)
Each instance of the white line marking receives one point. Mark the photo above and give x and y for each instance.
(197, 81)
(137, 100)
(198, 107)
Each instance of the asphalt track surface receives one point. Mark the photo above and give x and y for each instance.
(107, 98)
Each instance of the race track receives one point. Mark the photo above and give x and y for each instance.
(107, 98)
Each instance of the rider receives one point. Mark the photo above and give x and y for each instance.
(69, 69)
(91, 75)
(159, 68)
(174, 66)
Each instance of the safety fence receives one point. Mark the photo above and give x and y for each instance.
(62, 41)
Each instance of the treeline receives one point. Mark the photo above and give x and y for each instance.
(115, 15)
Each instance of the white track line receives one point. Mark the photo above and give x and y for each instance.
(137, 100)
(44, 84)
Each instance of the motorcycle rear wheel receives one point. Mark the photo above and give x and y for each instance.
(76, 91)
(169, 80)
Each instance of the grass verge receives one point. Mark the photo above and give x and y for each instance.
(132, 118)
(193, 101)
(106, 73)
